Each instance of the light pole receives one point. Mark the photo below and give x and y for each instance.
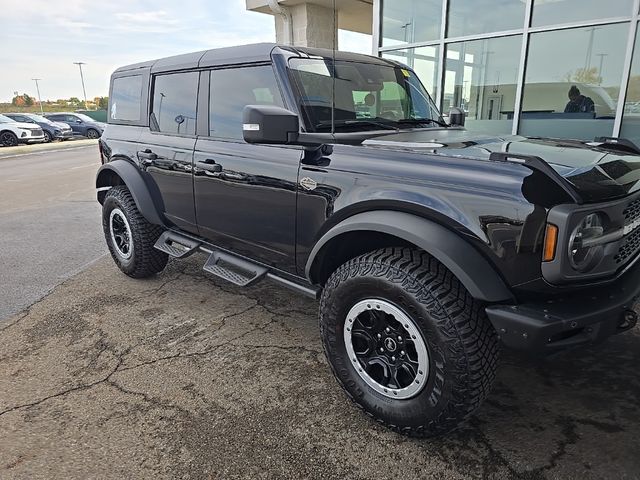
(38, 90)
(82, 78)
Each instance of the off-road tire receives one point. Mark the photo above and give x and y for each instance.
(461, 342)
(145, 260)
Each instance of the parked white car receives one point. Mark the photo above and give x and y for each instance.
(13, 133)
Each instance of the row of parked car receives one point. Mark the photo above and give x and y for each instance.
(17, 128)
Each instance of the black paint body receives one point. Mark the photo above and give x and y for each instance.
(257, 208)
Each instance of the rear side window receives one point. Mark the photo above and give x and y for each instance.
(125, 98)
(233, 89)
(174, 103)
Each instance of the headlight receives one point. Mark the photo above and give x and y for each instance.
(57, 132)
(584, 249)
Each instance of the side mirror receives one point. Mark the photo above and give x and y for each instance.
(270, 125)
(456, 117)
(78, 121)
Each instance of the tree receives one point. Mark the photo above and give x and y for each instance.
(75, 101)
(103, 103)
(23, 100)
(584, 75)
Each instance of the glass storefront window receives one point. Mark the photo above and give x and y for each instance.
(410, 21)
(470, 17)
(481, 78)
(631, 119)
(555, 12)
(573, 81)
(424, 61)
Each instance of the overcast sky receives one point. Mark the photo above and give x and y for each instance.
(42, 38)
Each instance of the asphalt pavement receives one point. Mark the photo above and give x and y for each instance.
(185, 376)
(49, 219)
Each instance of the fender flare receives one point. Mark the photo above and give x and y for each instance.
(136, 184)
(473, 270)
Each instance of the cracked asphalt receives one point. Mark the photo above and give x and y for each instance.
(186, 376)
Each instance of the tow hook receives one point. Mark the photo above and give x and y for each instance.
(628, 320)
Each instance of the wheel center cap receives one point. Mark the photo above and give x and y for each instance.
(390, 344)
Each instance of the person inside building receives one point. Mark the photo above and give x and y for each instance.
(578, 103)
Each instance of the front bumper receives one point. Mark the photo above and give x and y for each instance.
(583, 317)
(38, 139)
(65, 135)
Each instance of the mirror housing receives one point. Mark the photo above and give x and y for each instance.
(268, 124)
(456, 117)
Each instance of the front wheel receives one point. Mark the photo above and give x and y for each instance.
(93, 134)
(48, 138)
(130, 237)
(8, 139)
(407, 342)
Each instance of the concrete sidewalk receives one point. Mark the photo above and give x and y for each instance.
(20, 150)
(182, 376)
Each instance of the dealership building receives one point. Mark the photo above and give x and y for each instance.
(509, 64)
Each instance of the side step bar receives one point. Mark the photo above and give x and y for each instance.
(234, 269)
(176, 245)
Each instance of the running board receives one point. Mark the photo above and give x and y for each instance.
(176, 245)
(237, 270)
(234, 269)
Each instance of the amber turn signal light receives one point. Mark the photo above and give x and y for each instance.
(550, 243)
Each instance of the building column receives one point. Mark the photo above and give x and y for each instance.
(313, 26)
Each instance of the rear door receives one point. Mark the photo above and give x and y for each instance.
(166, 146)
(249, 206)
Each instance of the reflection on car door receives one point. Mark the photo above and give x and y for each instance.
(166, 146)
(245, 195)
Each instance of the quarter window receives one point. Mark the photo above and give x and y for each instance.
(233, 89)
(125, 98)
(174, 103)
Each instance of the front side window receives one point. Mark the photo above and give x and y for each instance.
(233, 89)
(367, 96)
(125, 98)
(174, 103)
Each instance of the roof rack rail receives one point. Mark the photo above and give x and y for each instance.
(615, 143)
(536, 163)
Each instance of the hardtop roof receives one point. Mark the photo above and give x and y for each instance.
(257, 52)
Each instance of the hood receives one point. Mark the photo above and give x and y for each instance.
(98, 124)
(25, 125)
(597, 173)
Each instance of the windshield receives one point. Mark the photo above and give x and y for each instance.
(4, 119)
(38, 118)
(367, 96)
(84, 118)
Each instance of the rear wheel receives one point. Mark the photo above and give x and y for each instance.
(406, 341)
(130, 237)
(8, 139)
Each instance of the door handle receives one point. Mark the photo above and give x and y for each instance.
(147, 156)
(209, 166)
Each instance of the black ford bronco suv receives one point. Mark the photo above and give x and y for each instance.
(335, 175)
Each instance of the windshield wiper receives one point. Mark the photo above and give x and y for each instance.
(418, 121)
(356, 123)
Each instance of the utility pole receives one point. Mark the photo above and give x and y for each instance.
(82, 78)
(38, 90)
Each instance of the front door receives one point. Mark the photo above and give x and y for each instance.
(245, 195)
(166, 147)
